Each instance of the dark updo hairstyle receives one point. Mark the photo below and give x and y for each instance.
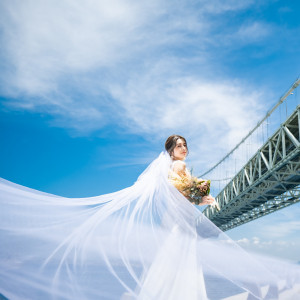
(171, 143)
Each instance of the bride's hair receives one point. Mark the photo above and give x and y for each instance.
(171, 143)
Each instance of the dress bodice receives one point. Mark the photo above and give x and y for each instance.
(184, 172)
(180, 178)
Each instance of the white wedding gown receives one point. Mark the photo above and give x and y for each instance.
(144, 242)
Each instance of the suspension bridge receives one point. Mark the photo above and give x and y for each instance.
(269, 181)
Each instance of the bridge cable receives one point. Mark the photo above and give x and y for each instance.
(282, 98)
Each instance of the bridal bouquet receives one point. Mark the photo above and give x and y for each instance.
(197, 189)
(192, 188)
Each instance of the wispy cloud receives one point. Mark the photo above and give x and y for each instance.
(144, 66)
(253, 31)
(159, 103)
(51, 40)
(286, 249)
(283, 229)
(276, 234)
(219, 6)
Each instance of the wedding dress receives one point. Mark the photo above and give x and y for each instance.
(143, 242)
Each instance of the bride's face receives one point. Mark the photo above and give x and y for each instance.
(180, 150)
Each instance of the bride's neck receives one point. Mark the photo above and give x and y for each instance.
(176, 159)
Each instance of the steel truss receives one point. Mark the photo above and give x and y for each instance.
(269, 181)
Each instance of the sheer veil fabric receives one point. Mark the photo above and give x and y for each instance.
(143, 242)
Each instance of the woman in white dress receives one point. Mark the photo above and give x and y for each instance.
(176, 146)
(148, 241)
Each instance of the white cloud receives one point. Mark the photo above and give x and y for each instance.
(243, 241)
(254, 31)
(51, 39)
(113, 62)
(215, 116)
(276, 234)
(255, 240)
(283, 228)
(47, 41)
(287, 249)
(219, 6)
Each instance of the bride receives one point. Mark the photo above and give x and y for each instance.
(148, 241)
(176, 146)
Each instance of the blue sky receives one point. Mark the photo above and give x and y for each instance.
(90, 90)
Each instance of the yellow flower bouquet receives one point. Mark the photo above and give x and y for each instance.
(192, 188)
(197, 189)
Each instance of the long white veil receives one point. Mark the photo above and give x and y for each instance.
(143, 242)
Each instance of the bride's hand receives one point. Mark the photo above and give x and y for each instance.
(209, 200)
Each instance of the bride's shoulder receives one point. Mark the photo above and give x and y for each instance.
(178, 165)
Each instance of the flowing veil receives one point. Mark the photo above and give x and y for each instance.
(143, 242)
